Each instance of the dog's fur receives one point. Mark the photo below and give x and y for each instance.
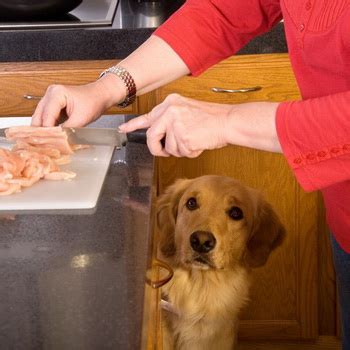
(209, 288)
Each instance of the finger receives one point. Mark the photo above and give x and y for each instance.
(183, 150)
(171, 145)
(194, 154)
(144, 121)
(37, 115)
(73, 122)
(154, 143)
(52, 110)
(141, 122)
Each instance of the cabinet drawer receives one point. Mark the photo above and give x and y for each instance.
(18, 80)
(271, 74)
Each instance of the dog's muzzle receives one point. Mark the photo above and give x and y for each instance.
(202, 241)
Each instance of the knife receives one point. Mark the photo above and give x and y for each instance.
(97, 136)
(105, 136)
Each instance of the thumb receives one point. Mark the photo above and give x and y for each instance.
(74, 121)
(141, 122)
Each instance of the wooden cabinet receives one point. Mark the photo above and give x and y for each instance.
(22, 84)
(293, 297)
(285, 297)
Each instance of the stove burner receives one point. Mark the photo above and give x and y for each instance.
(68, 17)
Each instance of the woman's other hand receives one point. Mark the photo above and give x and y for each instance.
(80, 104)
(189, 126)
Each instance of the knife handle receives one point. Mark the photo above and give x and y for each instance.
(137, 136)
(140, 136)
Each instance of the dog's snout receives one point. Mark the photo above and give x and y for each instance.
(202, 241)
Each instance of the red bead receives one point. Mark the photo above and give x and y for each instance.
(335, 150)
(321, 154)
(311, 156)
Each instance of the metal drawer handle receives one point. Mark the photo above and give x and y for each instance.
(32, 97)
(159, 283)
(249, 89)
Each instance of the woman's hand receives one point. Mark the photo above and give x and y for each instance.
(80, 104)
(188, 126)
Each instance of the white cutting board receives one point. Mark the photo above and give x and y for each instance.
(82, 192)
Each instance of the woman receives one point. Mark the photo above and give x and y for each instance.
(313, 134)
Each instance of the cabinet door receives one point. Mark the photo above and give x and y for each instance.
(284, 292)
(22, 84)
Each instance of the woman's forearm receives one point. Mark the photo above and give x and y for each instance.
(253, 125)
(152, 65)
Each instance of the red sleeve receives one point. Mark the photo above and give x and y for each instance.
(315, 138)
(204, 32)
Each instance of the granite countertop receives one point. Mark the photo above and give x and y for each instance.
(78, 281)
(102, 43)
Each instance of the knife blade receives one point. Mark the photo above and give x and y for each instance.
(97, 136)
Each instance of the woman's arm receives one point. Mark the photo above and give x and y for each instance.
(204, 32)
(200, 34)
(313, 134)
(153, 64)
(315, 138)
(190, 126)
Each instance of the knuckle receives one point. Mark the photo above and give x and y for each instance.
(149, 133)
(55, 88)
(174, 97)
(173, 109)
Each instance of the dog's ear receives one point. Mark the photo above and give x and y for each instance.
(167, 206)
(266, 235)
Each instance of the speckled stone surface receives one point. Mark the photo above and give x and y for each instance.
(75, 44)
(94, 44)
(77, 281)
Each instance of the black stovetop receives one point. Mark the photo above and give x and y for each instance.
(89, 14)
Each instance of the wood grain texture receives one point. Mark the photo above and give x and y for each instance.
(323, 343)
(19, 79)
(327, 291)
(272, 73)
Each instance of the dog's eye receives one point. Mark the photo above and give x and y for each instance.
(235, 213)
(191, 203)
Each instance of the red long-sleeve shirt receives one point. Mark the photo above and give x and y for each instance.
(314, 133)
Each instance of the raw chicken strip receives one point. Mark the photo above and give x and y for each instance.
(52, 137)
(60, 175)
(51, 152)
(36, 155)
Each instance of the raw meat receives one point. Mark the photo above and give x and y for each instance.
(37, 154)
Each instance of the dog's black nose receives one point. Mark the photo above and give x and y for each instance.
(202, 241)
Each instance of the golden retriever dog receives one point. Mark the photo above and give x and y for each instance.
(213, 230)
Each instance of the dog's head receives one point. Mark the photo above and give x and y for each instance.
(216, 222)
